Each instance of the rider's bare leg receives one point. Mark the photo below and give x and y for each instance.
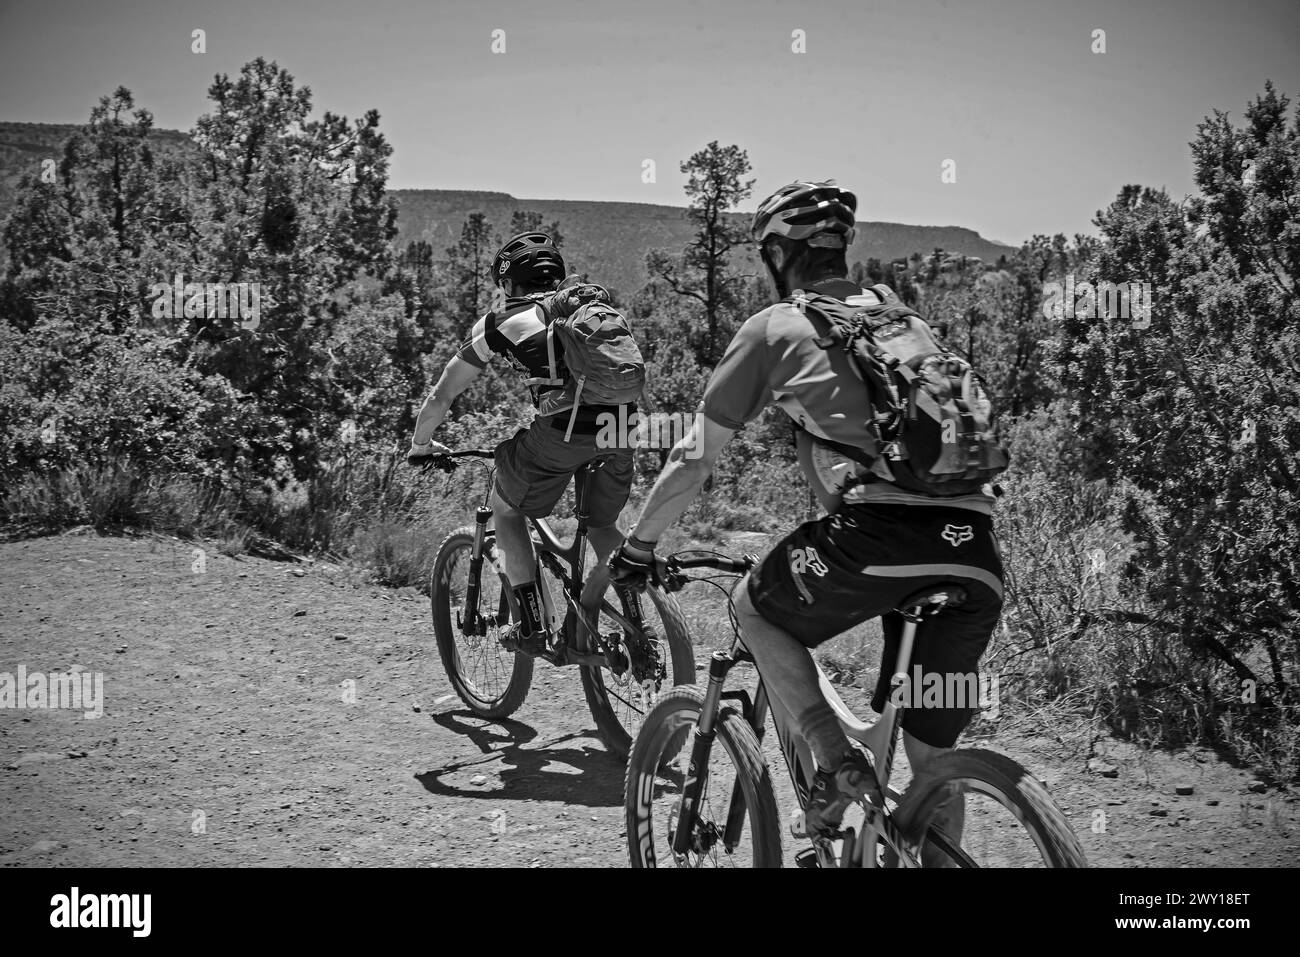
(516, 544)
(951, 816)
(603, 540)
(790, 674)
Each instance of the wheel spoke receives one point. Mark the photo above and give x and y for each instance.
(485, 668)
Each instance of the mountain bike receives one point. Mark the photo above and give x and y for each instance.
(625, 661)
(699, 791)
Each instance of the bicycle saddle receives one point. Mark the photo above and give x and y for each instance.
(933, 599)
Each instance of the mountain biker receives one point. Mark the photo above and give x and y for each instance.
(534, 466)
(876, 544)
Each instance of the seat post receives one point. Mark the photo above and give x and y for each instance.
(916, 607)
(904, 659)
(581, 480)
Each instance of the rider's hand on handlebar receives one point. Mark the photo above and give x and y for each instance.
(633, 564)
(427, 454)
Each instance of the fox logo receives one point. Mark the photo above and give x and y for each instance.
(806, 560)
(956, 534)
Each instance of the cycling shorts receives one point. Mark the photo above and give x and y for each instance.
(833, 573)
(535, 465)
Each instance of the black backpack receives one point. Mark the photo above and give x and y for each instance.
(933, 421)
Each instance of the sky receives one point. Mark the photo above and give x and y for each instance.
(1042, 132)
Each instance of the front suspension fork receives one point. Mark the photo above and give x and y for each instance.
(736, 809)
(472, 622)
(697, 773)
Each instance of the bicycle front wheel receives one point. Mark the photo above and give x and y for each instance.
(492, 681)
(1009, 819)
(736, 820)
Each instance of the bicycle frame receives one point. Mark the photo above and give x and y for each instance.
(567, 564)
(880, 738)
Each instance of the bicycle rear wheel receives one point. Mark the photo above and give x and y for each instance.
(1010, 821)
(656, 775)
(619, 702)
(492, 681)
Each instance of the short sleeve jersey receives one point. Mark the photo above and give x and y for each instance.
(774, 359)
(517, 332)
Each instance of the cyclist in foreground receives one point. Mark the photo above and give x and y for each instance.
(533, 467)
(876, 544)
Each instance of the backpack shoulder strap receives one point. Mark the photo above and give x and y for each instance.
(884, 293)
(848, 328)
(832, 318)
(552, 364)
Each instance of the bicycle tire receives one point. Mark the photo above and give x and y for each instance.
(681, 663)
(1008, 783)
(480, 701)
(662, 725)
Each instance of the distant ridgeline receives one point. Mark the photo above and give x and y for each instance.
(606, 240)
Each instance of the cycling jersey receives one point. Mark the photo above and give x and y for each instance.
(519, 332)
(774, 359)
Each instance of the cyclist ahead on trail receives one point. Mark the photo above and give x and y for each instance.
(535, 465)
(885, 534)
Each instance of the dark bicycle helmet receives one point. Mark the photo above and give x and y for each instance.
(801, 210)
(528, 258)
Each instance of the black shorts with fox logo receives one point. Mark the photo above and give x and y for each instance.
(838, 571)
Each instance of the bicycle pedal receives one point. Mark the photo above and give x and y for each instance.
(799, 828)
(806, 858)
(798, 824)
(535, 646)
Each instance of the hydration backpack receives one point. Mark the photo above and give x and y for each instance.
(933, 421)
(597, 360)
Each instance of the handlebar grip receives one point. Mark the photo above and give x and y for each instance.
(666, 576)
(721, 563)
(443, 463)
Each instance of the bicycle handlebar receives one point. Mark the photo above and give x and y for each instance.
(721, 563)
(669, 572)
(443, 461)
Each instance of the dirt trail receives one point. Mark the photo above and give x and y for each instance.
(226, 740)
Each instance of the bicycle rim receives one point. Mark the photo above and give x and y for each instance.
(620, 702)
(735, 781)
(1007, 819)
(483, 669)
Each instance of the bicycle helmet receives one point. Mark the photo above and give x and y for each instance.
(799, 211)
(528, 258)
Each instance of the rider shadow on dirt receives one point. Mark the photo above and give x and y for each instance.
(525, 773)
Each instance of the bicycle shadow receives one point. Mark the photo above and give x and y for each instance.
(529, 774)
